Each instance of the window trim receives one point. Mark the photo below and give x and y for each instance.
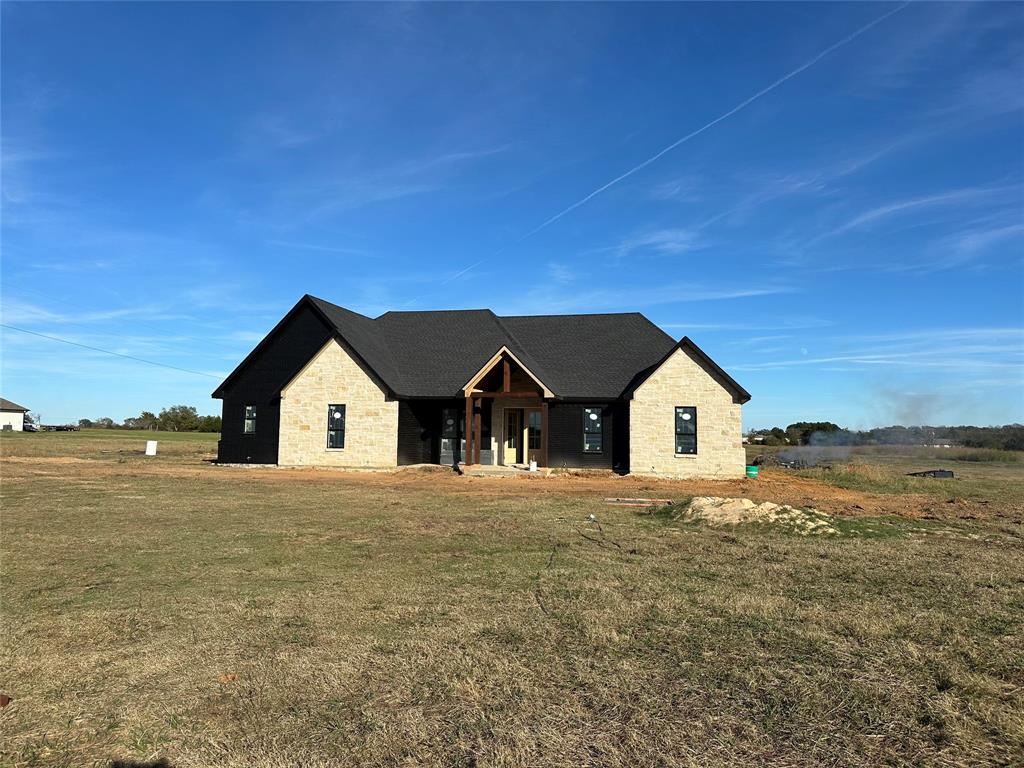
(246, 418)
(343, 430)
(599, 432)
(676, 433)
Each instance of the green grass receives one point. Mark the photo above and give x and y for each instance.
(103, 443)
(221, 616)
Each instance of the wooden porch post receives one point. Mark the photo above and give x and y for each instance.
(478, 437)
(468, 431)
(507, 375)
(544, 432)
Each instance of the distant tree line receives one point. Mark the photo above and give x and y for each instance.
(1009, 437)
(177, 418)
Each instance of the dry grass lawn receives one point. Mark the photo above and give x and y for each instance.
(171, 609)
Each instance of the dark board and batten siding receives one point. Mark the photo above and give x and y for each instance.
(260, 382)
(565, 437)
(419, 424)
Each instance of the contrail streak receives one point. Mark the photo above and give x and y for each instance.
(743, 104)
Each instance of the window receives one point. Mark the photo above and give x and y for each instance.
(533, 433)
(335, 426)
(451, 424)
(250, 419)
(686, 429)
(592, 430)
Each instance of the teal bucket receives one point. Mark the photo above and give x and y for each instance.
(752, 472)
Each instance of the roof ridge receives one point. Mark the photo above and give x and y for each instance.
(575, 314)
(431, 312)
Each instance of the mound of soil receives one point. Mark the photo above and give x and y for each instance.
(718, 510)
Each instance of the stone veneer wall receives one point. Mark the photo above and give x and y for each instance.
(371, 422)
(681, 380)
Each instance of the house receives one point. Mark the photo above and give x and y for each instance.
(12, 416)
(330, 387)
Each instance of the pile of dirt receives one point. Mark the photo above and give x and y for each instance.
(719, 510)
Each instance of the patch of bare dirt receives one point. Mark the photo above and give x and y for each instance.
(776, 486)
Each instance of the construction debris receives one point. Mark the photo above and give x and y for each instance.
(932, 473)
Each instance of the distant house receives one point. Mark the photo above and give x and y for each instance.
(12, 416)
(330, 387)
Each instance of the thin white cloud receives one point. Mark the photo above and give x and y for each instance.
(549, 299)
(561, 273)
(669, 241)
(16, 312)
(979, 239)
(411, 178)
(901, 207)
(946, 349)
(278, 132)
(681, 189)
(763, 324)
(317, 247)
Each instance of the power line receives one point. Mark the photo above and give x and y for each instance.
(107, 351)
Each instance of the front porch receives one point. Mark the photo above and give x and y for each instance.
(519, 414)
(495, 470)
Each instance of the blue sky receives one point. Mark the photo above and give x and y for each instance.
(849, 244)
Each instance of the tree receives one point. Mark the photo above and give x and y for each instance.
(145, 420)
(85, 423)
(179, 418)
(802, 432)
(209, 424)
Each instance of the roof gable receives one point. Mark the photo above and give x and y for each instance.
(7, 405)
(714, 369)
(497, 358)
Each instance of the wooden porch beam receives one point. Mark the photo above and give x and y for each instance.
(537, 395)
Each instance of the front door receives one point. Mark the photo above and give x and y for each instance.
(513, 436)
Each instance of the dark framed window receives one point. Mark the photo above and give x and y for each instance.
(451, 423)
(593, 430)
(686, 429)
(533, 430)
(250, 419)
(335, 426)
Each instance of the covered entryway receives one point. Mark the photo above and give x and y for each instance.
(519, 404)
(523, 436)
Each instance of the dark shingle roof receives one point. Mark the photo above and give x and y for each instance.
(7, 405)
(434, 354)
